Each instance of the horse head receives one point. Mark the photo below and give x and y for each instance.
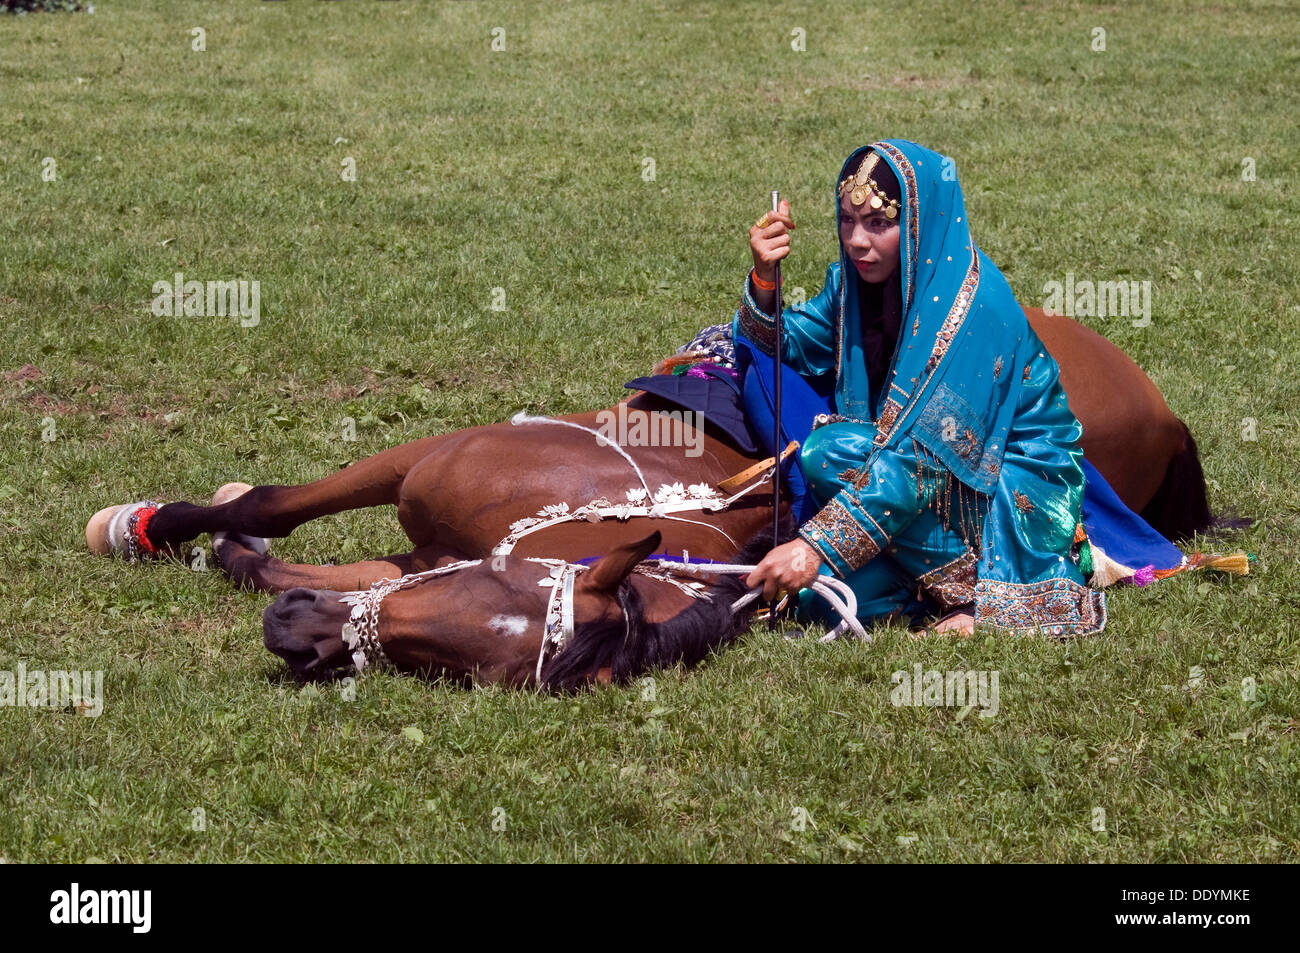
(508, 619)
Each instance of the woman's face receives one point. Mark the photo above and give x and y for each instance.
(870, 239)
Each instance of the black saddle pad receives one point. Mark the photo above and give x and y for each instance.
(715, 396)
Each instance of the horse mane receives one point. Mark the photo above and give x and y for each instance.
(688, 637)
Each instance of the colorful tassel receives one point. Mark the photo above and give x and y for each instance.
(1238, 564)
(670, 364)
(1106, 571)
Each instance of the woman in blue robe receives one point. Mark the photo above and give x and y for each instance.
(950, 474)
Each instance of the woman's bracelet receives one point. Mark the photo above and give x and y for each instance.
(760, 283)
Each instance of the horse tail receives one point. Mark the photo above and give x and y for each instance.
(1180, 507)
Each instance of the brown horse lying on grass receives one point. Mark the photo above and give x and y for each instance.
(458, 494)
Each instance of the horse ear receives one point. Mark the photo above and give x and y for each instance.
(608, 574)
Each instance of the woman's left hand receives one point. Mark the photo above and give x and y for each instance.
(788, 568)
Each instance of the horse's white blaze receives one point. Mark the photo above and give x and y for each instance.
(509, 624)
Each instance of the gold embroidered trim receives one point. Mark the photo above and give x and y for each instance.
(755, 326)
(888, 414)
(839, 335)
(913, 217)
(956, 314)
(968, 445)
(856, 477)
(942, 341)
(957, 506)
(835, 526)
(1060, 607)
(952, 584)
(879, 529)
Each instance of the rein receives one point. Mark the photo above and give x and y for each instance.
(837, 593)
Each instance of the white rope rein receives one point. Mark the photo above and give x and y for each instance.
(837, 593)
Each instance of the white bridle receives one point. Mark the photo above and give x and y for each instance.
(361, 631)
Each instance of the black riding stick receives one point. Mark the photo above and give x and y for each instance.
(776, 427)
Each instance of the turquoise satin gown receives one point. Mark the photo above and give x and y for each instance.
(957, 479)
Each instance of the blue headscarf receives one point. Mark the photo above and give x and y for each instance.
(964, 340)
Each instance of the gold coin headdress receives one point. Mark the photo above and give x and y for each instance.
(861, 188)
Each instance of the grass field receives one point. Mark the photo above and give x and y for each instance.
(525, 169)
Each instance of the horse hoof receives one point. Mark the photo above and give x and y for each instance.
(117, 529)
(224, 494)
(97, 530)
(231, 491)
(258, 544)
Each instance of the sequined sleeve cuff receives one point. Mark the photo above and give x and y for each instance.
(754, 323)
(841, 539)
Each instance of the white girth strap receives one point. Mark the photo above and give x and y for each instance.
(640, 501)
(601, 439)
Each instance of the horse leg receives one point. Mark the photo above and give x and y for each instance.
(277, 510)
(250, 569)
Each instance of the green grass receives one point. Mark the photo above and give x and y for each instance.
(522, 170)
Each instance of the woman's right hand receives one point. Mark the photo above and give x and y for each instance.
(771, 243)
